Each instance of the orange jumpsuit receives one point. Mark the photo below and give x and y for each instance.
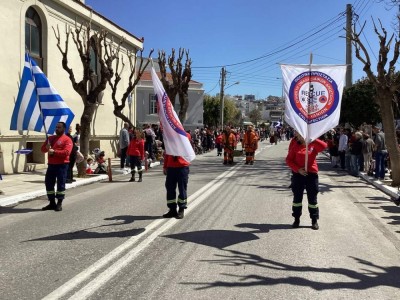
(228, 142)
(250, 145)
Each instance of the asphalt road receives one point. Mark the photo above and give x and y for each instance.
(235, 242)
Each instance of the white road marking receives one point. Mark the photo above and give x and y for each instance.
(197, 198)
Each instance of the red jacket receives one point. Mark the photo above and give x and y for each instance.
(296, 157)
(62, 146)
(174, 162)
(136, 148)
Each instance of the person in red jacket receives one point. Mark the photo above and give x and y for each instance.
(177, 170)
(58, 147)
(304, 177)
(136, 154)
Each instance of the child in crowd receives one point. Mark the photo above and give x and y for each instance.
(89, 163)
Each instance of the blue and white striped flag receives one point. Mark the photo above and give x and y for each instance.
(27, 115)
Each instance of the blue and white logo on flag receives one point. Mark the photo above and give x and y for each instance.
(28, 113)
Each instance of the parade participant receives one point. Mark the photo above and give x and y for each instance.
(228, 141)
(304, 179)
(177, 170)
(136, 154)
(59, 147)
(250, 144)
(218, 143)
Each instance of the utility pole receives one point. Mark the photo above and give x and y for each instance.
(349, 59)
(221, 95)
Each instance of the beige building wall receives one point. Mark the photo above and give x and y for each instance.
(53, 13)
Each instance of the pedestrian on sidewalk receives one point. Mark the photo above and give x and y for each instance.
(367, 150)
(342, 148)
(304, 179)
(380, 152)
(72, 157)
(123, 143)
(58, 147)
(136, 154)
(356, 153)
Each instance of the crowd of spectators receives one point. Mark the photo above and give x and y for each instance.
(359, 150)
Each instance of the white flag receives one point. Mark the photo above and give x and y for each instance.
(313, 95)
(175, 137)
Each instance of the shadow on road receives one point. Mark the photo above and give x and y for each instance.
(215, 238)
(16, 210)
(101, 231)
(371, 275)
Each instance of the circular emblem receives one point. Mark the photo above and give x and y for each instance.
(314, 96)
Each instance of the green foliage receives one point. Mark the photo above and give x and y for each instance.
(211, 112)
(359, 105)
(230, 112)
(255, 116)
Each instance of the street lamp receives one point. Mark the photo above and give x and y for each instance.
(223, 102)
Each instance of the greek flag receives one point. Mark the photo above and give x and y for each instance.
(29, 114)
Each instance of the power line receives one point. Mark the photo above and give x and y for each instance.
(337, 18)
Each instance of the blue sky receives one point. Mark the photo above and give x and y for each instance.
(265, 32)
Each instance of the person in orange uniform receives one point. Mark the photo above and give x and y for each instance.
(304, 179)
(58, 147)
(250, 144)
(228, 142)
(136, 154)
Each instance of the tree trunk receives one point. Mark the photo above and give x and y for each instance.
(86, 122)
(390, 133)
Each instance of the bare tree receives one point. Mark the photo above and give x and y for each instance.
(87, 40)
(387, 84)
(178, 83)
(119, 106)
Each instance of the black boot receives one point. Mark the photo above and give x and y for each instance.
(181, 213)
(59, 205)
(133, 176)
(140, 177)
(50, 206)
(314, 224)
(171, 213)
(296, 223)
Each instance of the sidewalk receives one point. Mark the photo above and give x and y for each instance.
(383, 185)
(26, 186)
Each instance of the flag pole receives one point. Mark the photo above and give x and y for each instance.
(37, 99)
(310, 96)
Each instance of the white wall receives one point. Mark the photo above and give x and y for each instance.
(53, 13)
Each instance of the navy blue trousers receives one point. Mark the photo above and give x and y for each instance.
(56, 173)
(177, 177)
(310, 184)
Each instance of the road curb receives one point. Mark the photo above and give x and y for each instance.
(16, 199)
